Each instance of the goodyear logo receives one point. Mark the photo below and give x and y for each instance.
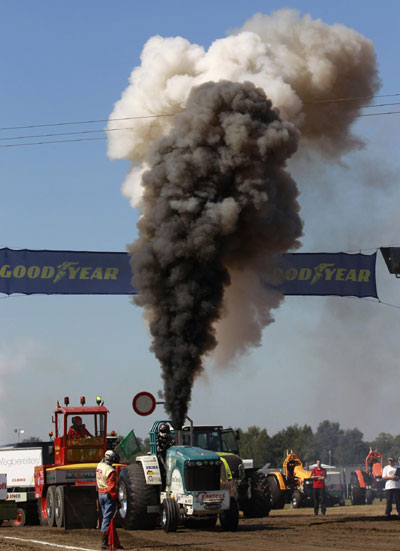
(66, 270)
(325, 271)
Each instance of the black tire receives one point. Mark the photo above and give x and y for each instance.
(296, 500)
(1, 522)
(51, 506)
(60, 507)
(357, 493)
(200, 524)
(134, 498)
(259, 504)
(20, 519)
(277, 495)
(41, 514)
(169, 515)
(368, 497)
(229, 519)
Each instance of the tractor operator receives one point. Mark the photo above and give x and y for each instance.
(78, 430)
(318, 477)
(164, 441)
(106, 480)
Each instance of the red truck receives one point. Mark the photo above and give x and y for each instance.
(66, 490)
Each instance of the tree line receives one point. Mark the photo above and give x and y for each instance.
(329, 443)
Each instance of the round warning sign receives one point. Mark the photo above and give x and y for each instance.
(144, 403)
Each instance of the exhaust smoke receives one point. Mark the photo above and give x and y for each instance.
(216, 196)
(209, 175)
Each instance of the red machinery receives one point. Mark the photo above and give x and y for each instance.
(367, 485)
(67, 488)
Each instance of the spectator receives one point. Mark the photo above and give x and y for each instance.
(392, 487)
(318, 477)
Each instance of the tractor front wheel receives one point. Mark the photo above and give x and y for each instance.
(368, 497)
(169, 515)
(296, 500)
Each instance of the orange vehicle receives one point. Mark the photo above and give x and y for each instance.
(292, 485)
(367, 485)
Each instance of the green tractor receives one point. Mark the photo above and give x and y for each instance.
(250, 486)
(182, 487)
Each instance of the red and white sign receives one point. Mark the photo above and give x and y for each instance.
(144, 403)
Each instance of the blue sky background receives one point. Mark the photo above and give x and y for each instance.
(323, 358)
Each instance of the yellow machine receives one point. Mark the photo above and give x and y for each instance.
(292, 485)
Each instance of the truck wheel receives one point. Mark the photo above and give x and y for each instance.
(59, 507)
(51, 506)
(259, 505)
(134, 497)
(277, 496)
(169, 515)
(368, 497)
(229, 519)
(42, 511)
(20, 519)
(296, 500)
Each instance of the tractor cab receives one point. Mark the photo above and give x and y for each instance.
(214, 438)
(80, 433)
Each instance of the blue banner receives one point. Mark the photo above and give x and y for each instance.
(65, 273)
(89, 273)
(339, 274)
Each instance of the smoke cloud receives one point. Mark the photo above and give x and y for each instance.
(208, 174)
(216, 197)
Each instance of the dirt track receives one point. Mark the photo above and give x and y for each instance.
(343, 528)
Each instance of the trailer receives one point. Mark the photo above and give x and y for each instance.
(18, 462)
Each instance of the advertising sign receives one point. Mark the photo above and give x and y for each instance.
(19, 465)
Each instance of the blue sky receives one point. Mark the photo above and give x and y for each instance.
(70, 61)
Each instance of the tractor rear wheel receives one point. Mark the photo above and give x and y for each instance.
(357, 493)
(134, 497)
(20, 519)
(259, 505)
(169, 515)
(51, 506)
(277, 495)
(59, 512)
(296, 500)
(229, 519)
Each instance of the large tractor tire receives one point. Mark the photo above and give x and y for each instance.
(169, 515)
(369, 497)
(229, 519)
(357, 493)
(60, 507)
(51, 506)
(277, 495)
(296, 500)
(134, 497)
(20, 519)
(259, 504)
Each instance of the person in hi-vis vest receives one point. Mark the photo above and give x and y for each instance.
(106, 480)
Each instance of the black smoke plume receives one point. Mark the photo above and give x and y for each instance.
(216, 196)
